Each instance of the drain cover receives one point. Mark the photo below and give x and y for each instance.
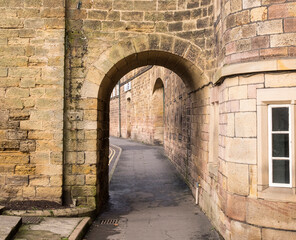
(109, 221)
(31, 220)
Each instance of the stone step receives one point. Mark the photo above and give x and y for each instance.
(9, 226)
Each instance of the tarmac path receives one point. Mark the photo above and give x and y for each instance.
(149, 200)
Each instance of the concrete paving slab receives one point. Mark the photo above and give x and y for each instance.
(48, 228)
(8, 226)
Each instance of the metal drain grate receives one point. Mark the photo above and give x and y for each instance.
(109, 221)
(31, 220)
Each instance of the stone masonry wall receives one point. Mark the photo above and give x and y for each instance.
(31, 99)
(91, 30)
(141, 108)
(250, 30)
(59, 61)
(239, 207)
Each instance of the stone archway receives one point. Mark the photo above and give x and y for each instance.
(178, 55)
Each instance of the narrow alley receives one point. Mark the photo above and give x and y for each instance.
(149, 200)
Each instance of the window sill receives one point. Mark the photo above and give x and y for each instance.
(278, 194)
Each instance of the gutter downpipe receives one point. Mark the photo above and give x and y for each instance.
(119, 112)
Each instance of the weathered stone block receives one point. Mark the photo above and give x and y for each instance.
(245, 124)
(17, 93)
(45, 145)
(25, 169)
(38, 180)
(241, 150)
(49, 169)
(17, 158)
(31, 125)
(270, 27)
(54, 23)
(48, 192)
(145, 5)
(56, 158)
(259, 14)
(242, 231)
(259, 210)
(273, 234)
(7, 169)
(48, 103)
(83, 191)
(238, 178)
(11, 145)
(13, 61)
(283, 80)
(3, 72)
(55, 4)
(14, 134)
(17, 180)
(11, 23)
(34, 23)
(29, 192)
(83, 169)
(290, 25)
(41, 135)
(236, 207)
(282, 10)
(28, 146)
(132, 16)
(91, 180)
(33, 3)
(287, 39)
(19, 114)
(27, 83)
(238, 92)
(56, 180)
(75, 180)
(175, 27)
(248, 105)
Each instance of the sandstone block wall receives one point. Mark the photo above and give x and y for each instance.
(31, 99)
(255, 30)
(141, 107)
(60, 61)
(239, 201)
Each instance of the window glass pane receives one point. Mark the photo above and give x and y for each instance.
(280, 145)
(280, 119)
(280, 171)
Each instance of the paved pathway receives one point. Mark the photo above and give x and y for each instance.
(149, 201)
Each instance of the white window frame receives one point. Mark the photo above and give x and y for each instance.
(128, 86)
(265, 97)
(270, 157)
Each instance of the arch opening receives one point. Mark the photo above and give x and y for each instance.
(188, 72)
